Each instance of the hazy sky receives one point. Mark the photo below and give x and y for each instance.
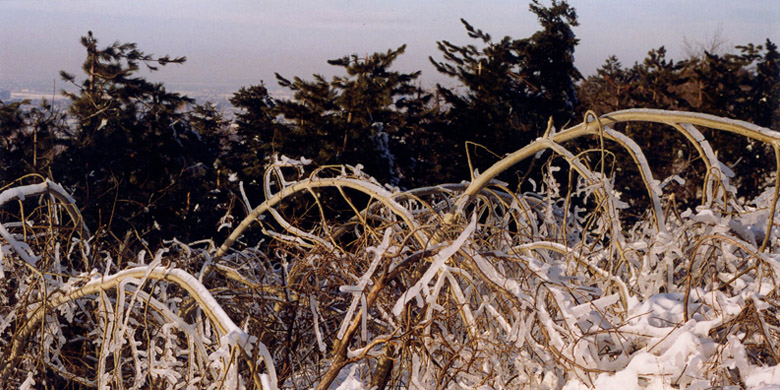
(240, 42)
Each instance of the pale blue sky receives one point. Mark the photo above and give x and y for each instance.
(240, 42)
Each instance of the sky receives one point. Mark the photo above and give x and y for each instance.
(233, 43)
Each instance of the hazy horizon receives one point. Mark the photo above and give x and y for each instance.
(238, 43)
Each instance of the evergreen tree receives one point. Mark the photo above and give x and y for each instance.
(741, 85)
(657, 82)
(381, 108)
(216, 138)
(258, 135)
(133, 154)
(607, 90)
(360, 118)
(206, 119)
(30, 138)
(733, 85)
(513, 85)
(12, 126)
(765, 96)
(216, 190)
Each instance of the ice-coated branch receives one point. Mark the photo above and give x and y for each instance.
(205, 300)
(368, 188)
(33, 190)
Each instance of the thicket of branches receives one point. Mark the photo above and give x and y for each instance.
(455, 286)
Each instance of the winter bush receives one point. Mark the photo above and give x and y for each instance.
(359, 285)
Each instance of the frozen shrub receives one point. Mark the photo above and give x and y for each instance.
(470, 285)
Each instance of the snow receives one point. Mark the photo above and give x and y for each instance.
(421, 287)
(763, 378)
(28, 383)
(351, 381)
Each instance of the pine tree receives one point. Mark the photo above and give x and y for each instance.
(360, 118)
(12, 126)
(30, 138)
(258, 135)
(736, 85)
(379, 105)
(513, 86)
(719, 78)
(607, 90)
(132, 153)
(657, 80)
(216, 138)
(733, 85)
(766, 88)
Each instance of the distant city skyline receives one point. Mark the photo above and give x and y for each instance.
(237, 43)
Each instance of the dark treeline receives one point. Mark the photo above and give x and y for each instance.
(147, 164)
